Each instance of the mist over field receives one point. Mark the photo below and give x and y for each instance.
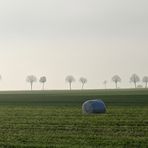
(91, 38)
(62, 63)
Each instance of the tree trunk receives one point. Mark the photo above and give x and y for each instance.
(70, 85)
(105, 85)
(31, 85)
(116, 84)
(43, 86)
(82, 85)
(135, 85)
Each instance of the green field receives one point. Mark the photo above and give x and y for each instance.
(54, 119)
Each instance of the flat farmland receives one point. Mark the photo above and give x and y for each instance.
(54, 119)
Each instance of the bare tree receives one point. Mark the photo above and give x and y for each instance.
(134, 79)
(31, 79)
(105, 83)
(70, 79)
(145, 80)
(83, 81)
(43, 80)
(116, 79)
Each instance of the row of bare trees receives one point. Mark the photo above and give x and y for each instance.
(133, 79)
(70, 79)
(31, 79)
(116, 79)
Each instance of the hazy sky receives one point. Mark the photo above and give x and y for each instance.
(91, 38)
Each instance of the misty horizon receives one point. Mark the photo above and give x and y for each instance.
(93, 39)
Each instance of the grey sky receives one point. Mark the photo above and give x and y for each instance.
(91, 38)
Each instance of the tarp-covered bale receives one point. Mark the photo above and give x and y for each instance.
(93, 106)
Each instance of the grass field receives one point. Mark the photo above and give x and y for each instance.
(54, 119)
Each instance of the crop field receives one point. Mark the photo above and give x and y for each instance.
(40, 119)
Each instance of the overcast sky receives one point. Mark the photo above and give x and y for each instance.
(91, 38)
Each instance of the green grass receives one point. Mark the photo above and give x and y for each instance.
(54, 119)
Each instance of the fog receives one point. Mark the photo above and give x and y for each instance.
(91, 38)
